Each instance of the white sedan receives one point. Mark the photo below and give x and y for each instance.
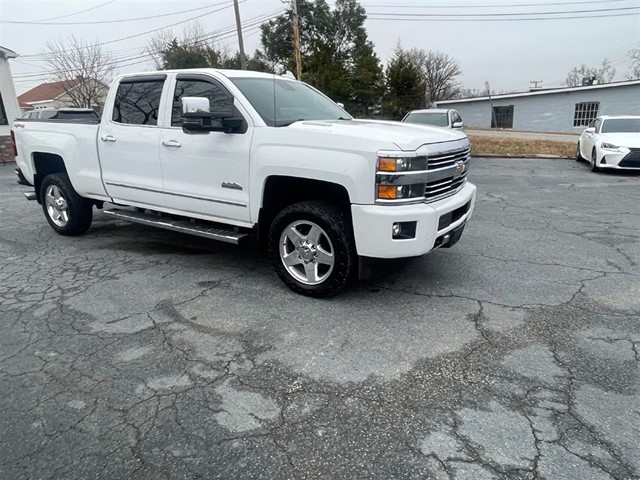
(611, 142)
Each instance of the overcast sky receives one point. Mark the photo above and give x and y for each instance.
(508, 54)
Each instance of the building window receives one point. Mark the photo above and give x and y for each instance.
(3, 114)
(585, 113)
(502, 117)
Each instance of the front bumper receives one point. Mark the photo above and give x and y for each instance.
(372, 225)
(621, 159)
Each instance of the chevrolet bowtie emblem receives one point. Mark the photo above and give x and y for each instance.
(460, 167)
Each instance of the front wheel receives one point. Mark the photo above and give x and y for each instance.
(67, 212)
(594, 161)
(579, 157)
(312, 248)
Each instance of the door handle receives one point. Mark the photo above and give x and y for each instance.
(108, 138)
(171, 143)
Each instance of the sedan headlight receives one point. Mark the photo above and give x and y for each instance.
(609, 146)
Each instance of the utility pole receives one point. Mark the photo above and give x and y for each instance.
(296, 39)
(493, 114)
(243, 59)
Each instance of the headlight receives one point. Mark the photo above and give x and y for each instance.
(609, 146)
(399, 192)
(408, 184)
(388, 164)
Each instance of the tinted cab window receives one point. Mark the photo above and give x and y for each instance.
(137, 102)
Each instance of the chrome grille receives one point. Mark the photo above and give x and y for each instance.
(447, 159)
(444, 187)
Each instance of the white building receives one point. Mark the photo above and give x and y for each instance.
(9, 108)
(567, 109)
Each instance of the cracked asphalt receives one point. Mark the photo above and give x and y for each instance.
(133, 352)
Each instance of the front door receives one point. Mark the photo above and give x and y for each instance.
(205, 174)
(129, 143)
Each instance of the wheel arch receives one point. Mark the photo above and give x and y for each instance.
(280, 191)
(45, 164)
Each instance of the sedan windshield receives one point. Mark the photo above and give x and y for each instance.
(621, 125)
(428, 118)
(282, 102)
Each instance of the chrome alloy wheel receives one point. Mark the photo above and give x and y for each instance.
(57, 207)
(307, 252)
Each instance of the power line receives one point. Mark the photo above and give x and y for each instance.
(110, 21)
(228, 4)
(419, 19)
(74, 13)
(224, 33)
(509, 5)
(521, 14)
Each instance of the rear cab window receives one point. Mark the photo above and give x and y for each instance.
(137, 101)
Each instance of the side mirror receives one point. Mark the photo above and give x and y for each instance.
(197, 116)
(457, 125)
(195, 105)
(590, 130)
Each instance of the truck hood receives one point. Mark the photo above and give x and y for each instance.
(405, 136)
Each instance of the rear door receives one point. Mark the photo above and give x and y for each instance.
(205, 174)
(129, 142)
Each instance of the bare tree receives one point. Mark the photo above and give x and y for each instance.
(602, 74)
(192, 48)
(634, 57)
(439, 72)
(84, 69)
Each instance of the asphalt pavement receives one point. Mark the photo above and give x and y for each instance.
(132, 352)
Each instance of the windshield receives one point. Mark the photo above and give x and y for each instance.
(293, 101)
(621, 125)
(428, 118)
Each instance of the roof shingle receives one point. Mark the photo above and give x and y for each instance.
(45, 91)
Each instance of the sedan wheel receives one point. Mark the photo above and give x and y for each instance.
(594, 161)
(579, 157)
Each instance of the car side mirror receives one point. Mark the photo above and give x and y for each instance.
(590, 130)
(197, 116)
(457, 125)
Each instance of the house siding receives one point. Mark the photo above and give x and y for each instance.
(552, 112)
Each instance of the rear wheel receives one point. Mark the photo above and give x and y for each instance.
(67, 212)
(312, 248)
(594, 161)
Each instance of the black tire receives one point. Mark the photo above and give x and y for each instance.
(304, 221)
(579, 157)
(67, 212)
(594, 161)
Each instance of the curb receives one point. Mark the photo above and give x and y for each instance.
(539, 156)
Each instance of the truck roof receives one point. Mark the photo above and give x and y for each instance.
(221, 71)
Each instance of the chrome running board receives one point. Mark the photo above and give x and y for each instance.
(200, 228)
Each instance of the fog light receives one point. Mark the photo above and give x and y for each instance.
(403, 230)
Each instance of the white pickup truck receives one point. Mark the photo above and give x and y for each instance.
(226, 154)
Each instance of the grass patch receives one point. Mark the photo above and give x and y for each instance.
(519, 147)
